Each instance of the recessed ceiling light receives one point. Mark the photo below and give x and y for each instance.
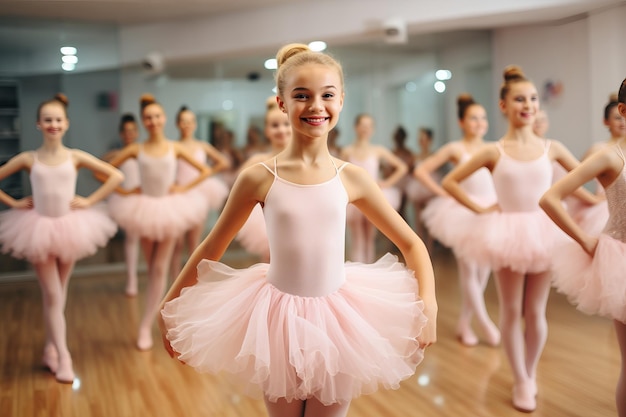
(68, 50)
(317, 46)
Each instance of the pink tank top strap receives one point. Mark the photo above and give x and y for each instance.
(273, 171)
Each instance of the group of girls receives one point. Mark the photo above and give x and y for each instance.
(306, 330)
(159, 195)
(489, 212)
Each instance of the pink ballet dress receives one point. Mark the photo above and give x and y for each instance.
(521, 236)
(592, 219)
(416, 192)
(597, 285)
(155, 213)
(52, 228)
(253, 234)
(308, 324)
(450, 222)
(212, 192)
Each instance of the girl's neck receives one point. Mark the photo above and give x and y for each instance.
(51, 147)
(187, 138)
(307, 148)
(471, 140)
(156, 138)
(522, 134)
(362, 141)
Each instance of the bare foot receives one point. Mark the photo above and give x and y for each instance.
(492, 334)
(131, 288)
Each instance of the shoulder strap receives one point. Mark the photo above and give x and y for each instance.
(273, 171)
(547, 144)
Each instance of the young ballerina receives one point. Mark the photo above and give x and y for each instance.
(593, 218)
(417, 193)
(129, 133)
(55, 227)
(370, 157)
(212, 191)
(308, 331)
(159, 211)
(591, 270)
(517, 238)
(253, 234)
(454, 225)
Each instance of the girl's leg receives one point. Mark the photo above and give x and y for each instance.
(510, 287)
(131, 254)
(177, 257)
(473, 281)
(53, 296)
(282, 408)
(535, 302)
(369, 239)
(158, 266)
(464, 326)
(620, 392)
(314, 408)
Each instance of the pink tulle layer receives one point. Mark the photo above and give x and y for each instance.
(595, 285)
(524, 242)
(157, 218)
(451, 223)
(26, 234)
(334, 348)
(214, 191)
(253, 235)
(592, 219)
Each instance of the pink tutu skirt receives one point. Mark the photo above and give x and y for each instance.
(393, 196)
(26, 234)
(214, 191)
(334, 347)
(524, 242)
(157, 218)
(417, 192)
(595, 285)
(253, 235)
(592, 219)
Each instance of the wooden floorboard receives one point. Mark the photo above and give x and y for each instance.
(577, 373)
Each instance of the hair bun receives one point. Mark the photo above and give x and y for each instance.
(62, 98)
(613, 98)
(271, 103)
(146, 99)
(183, 108)
(513, 72)
(465, 99)
(290, 50)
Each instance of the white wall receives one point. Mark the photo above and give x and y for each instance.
(586, 56)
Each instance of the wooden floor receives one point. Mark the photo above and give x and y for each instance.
(577, 373)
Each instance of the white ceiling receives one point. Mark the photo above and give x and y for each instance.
(27, 27)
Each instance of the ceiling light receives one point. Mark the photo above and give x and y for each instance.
(271, 64)
(68, 67)
(70, 59)
(68, 50)
(443, 75)
(440, 86)
(317, 46)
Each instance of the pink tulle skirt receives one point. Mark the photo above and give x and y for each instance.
(214, 190)
(592, 219)
(524, 242)
(595, 285)
(26, 234)
(253, 235)
(334, 348)
(157, 218)
(417, 192)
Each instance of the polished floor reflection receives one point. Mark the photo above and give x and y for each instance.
(577, 373)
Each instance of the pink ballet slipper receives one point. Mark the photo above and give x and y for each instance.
(65, 372)
(131, 290)
(50, 359)
(524, 397)
(467, 337)
(492, 335)
(144, 340)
